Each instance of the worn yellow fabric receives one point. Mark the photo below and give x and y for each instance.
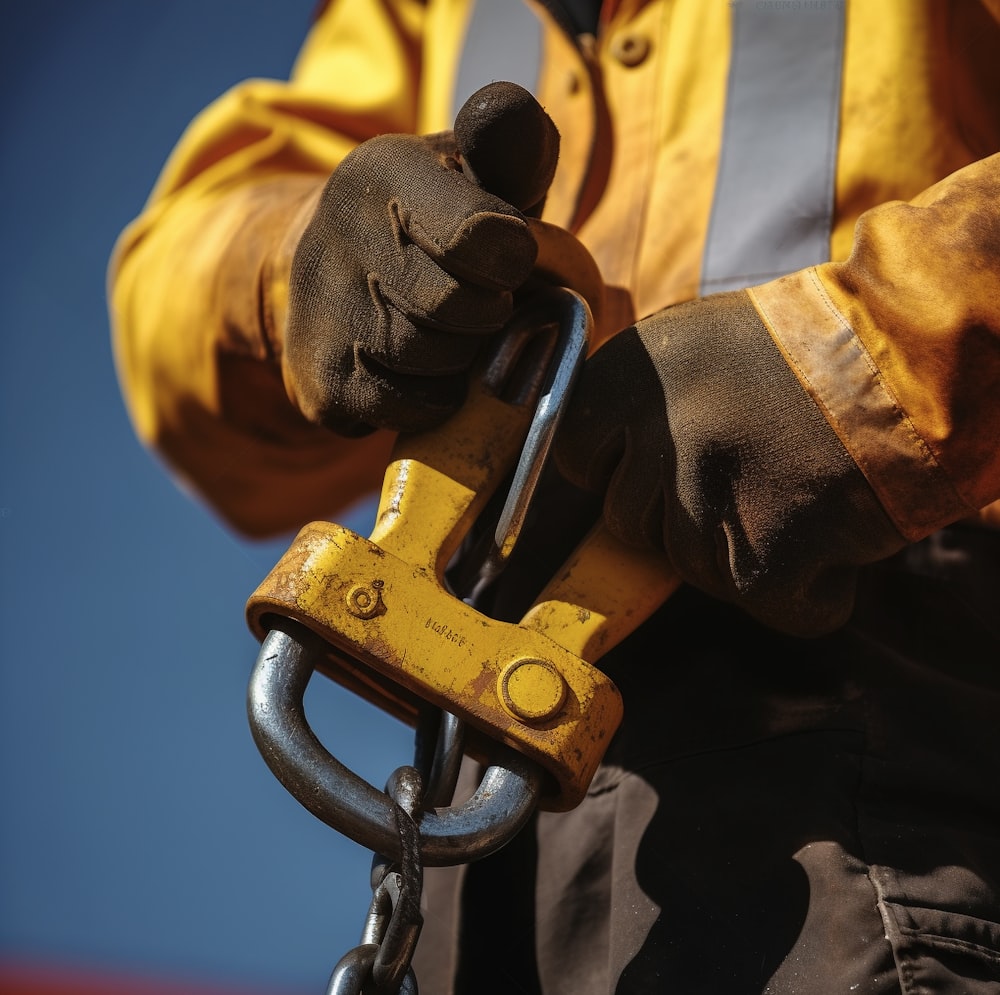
(198, 281)
(900, 347)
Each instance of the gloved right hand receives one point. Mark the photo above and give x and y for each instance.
(706, 447)
(407, 264)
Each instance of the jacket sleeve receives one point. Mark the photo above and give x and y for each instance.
(197, 284)
(899, 346)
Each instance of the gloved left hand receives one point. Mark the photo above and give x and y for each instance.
(411, 260)
(707, 447)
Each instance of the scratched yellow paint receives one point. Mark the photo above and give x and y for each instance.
(435, 645)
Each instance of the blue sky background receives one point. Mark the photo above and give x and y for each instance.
(139, 830)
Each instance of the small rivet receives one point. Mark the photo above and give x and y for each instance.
(366, 602)
(630, 50)
(532, 690)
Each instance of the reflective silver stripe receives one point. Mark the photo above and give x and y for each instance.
(774, 194)
(503, 42)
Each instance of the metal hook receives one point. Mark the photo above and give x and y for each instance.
(573, 333)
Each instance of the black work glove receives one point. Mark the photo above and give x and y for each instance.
(708, 448)
(407, 264)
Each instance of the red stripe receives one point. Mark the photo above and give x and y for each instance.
(22, 978)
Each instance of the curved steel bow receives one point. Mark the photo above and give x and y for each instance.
(345, 801)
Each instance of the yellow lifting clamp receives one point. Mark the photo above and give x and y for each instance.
(399, 637)
(379, 616)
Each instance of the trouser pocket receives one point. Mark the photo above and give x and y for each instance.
(939, 951)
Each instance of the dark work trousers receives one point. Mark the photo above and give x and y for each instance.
(775, 815)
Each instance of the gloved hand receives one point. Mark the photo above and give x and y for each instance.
(407, 264)
(707, 447)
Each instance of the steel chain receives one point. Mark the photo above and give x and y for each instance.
(380, 963)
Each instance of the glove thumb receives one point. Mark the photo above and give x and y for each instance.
(509, 145)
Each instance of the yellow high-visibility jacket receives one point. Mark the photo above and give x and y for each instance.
(894, 329)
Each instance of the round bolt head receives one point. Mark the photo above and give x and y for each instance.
(532, 690)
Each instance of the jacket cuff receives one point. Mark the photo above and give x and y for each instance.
(833, 365)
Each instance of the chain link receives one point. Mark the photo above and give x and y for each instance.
(380, 964)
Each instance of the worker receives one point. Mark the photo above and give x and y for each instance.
(794, 208)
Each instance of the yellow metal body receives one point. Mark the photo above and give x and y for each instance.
(398, 636)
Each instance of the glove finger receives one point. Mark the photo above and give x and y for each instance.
(466, 230)
(352, 392)
(634, 503)
(587, 447)
(413, 348)
(434, 298)
(382, 398)
(617, 385)
(475, 239)
(509, 144)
